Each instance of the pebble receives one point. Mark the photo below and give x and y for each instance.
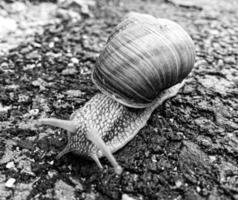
(10, 165)
(22, 191)
(230, 60)
(25, 166)
(10, 183)
(4, 108)
(34, 112)
(126, 197)
(74, 60)
(29, 67)
(4, 65)
(70, 65)
(220, 63)
(52, 173)
(74, 93)
(51, 44)
(23, 98)
(212, 158)
(69, 71)
(178, 183)
(33, 55)
(64, 191)
(51, 162)
(198, 189)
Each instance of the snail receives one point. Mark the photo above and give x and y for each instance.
(144, 63)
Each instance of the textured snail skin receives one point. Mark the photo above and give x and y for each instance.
(143, 56)
(113, 122)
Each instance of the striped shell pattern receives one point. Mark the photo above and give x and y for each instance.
(142, 57)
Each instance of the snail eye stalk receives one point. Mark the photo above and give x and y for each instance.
(93, 135)
(64, 124)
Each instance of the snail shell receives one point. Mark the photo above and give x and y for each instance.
(143, 56)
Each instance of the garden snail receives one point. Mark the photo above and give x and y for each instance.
(144, 63)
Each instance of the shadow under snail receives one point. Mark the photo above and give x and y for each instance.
(144, 63)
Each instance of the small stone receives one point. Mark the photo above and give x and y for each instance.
(34, 112)
(64, 191)
(25, 166)
(51, 44)
(71, 65)
(69, 71)
(220, 63)
(4, 108)
(10, 165)
(10, 183)
(127, 197)
(56, 39)
(178, 183)
(23, 98)
(198, 189)
(89, 196)
(29, 67)
(51, 162)
(192, 159)
(9, 153)
(147, 153)
(33, 55)
(4, 65)
(4, 192)
(22, 191)
(35, 44)
(74, 93)
(212, 158)
(52, 173)
(230, 60)
(39, 83)
(74, 60)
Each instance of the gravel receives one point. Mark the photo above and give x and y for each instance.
(188, 150)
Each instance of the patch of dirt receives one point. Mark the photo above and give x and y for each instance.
(188, 150)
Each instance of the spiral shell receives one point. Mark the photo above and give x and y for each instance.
(142, 57)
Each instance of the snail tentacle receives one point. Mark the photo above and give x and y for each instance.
(95, 158)
(67, 125)
(63, 152)
(93, 135)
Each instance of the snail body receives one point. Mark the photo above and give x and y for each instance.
(143, 64)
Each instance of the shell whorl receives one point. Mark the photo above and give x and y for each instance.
(142, 57)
